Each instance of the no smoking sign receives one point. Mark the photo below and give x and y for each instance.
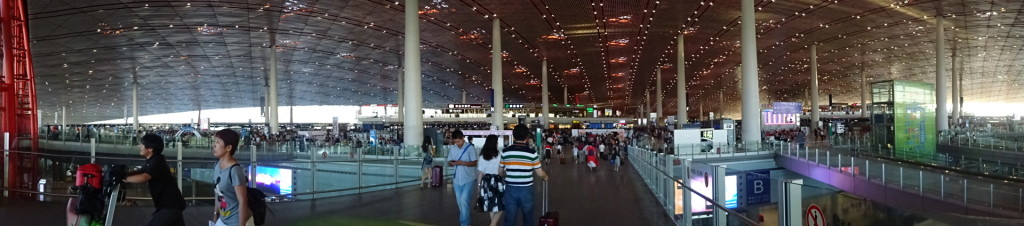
(815, 217)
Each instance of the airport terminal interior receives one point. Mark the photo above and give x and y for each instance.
(512, 112)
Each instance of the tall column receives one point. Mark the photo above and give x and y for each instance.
(956, 88)
(721, 107)
(751, 90)
(565, 94)
(658, 98)
(498, 119)
(64, 120)
(272, 116)
(545, 108)
(412, 125)
(401, 94)
(863, 91)
(941, 114)
(815, 110)
(700, 116)
(463, 96)
(680, 83)
(135, 101)
(960, 81)
(644, 109)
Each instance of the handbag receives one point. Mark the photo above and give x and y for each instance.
(479, 206)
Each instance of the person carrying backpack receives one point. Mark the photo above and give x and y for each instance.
(231, 190)
(162, 186)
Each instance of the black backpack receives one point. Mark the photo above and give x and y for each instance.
(90, 201)
(257, 202)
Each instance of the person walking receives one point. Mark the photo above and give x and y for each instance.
(232, 203)
(428, 160)
(492, 185)
(518, 164)
(162, 186)
(463, 157)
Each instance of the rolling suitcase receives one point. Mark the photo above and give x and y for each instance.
(436, 176)
(89, 174)
(550, 218)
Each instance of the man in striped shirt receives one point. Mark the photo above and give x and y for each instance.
(518, 164)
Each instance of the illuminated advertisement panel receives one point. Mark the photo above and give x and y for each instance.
(698, 204)
(274, 180)
(914, 118)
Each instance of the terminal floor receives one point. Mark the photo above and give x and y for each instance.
(604, 197)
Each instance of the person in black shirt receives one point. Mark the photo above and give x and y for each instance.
(162, 186)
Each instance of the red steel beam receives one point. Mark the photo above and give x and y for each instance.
(18, 107)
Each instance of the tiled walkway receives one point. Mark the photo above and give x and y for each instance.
(581, 197)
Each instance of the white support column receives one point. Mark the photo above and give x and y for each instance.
(815, 110)
(863, 90)
(463, 96)
(272, 116)
(700, 115)
(941, 113)
(565, 94)
(680, 83)
(956, 88)
(412, 126)
(180, 169)
(135, 102)
(64, 120)
(401, 94)
(658, 98)
(645, 113)
(545, 108)
(92, 150)
(721, 107)
(751, 90)
(498, 117)
(960, 82)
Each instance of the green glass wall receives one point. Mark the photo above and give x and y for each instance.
(903, 118)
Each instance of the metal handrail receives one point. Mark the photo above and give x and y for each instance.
(73, 196)
(742, 218)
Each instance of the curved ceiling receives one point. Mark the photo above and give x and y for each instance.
(191, 55)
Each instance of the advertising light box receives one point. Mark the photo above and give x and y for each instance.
(699, 205)
(274, 180)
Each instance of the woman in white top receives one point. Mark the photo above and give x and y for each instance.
(492, 185)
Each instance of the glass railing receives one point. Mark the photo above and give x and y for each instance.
(317, 173)
(963, 193)
(988, 143)
(654, 169)
(841, 208)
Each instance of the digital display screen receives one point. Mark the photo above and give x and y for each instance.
(274, 180)
(699, 205)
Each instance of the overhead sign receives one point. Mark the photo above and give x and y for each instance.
(815, 217)
(466, 106)
(758, 188)
(772, 118)
(787, 107)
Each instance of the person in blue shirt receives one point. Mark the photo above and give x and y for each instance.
(463, 156)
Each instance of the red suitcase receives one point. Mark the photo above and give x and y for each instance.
(436, 176)
(94, 178)
(550, 218)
